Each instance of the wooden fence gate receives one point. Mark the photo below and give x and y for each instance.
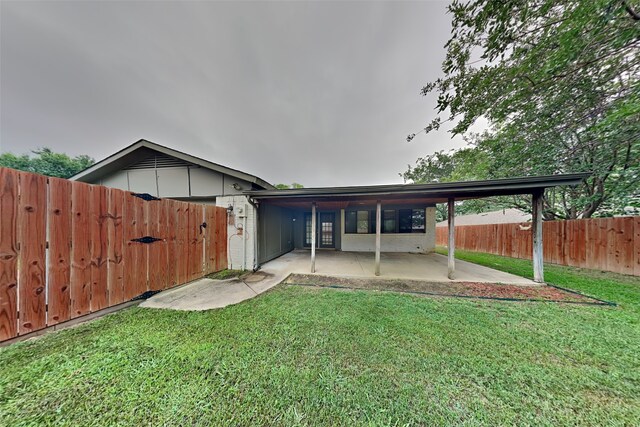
(68, 248)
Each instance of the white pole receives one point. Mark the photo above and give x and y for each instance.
(452, 238)
(536, 229)
(378, 217)
(313, 237)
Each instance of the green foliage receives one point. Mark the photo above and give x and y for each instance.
(467, 164)
(559, 83)
(46, 162)
(305, 356)
(287, 186)
(226, 274)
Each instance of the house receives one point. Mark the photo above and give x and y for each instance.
(265, 223)
(503, 216)
(146, 167)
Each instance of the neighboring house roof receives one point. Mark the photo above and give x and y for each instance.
(124, 159)
(436, 192)
(503, 216)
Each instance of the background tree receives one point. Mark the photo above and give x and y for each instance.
(46, 162)
(559, 82)
(287, 186)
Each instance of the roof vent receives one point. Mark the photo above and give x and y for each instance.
(159, 160)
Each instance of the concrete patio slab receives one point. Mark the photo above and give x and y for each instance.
(429, 267)
(206, 294)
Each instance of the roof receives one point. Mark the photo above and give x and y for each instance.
(122, 159)
(503, 216)
(433, 192)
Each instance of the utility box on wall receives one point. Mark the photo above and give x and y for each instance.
(241, 232)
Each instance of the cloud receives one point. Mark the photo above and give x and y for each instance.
(317, 93)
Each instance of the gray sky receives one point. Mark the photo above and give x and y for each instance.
(318, 93)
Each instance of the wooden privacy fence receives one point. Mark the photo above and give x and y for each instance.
(608, 244)
(68, 248)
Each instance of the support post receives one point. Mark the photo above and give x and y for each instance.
(378, 217)
(313, 237)
(536, 229)
(451, 247)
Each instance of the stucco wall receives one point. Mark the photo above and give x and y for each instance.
(396, 242)
(240, 257)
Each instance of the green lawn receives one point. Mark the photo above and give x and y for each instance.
(308, 356)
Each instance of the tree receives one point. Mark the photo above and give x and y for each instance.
(467, 164)
(46, 162)
(287, 186)
(559, 82)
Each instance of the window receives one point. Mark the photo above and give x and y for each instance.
(363, 222)
(350, 225)
(411, 221)
(417, 221)
(388, 221)
(393, 221)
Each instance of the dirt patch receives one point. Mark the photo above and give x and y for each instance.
(460, 289)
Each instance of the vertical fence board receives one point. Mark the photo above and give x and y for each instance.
(193, 248)
(32, 229)
(98, 207)
(115, 256)
(210, 248)
(141, 255)
(623, 231)
(153, 249)
(130, 286)
(80, 249)
(161, 257)
(172, 261)
(199, 230)
(636, 250)
(221, 239)
(59, 266)
(8, 253)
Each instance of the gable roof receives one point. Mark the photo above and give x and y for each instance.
(126, 159)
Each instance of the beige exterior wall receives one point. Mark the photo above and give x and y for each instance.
(175, 182)
(396, 242)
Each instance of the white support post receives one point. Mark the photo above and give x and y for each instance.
(536, 229)
(313, 237)
(378, 217)
(452, 237)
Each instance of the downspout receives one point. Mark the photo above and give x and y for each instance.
(244, 238)
(255, 233)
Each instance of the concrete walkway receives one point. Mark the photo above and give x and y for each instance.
(206, 294)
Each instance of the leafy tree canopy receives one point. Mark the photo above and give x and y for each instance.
(46, 162)
(559, 82)
(287, 186)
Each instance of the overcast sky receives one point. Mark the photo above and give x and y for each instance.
(317, 93)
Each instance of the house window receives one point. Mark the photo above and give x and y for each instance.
(393, 221)
(389, 221)
(411, 221)
(363, 222)
(350, 224)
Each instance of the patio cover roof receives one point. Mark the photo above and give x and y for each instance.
(416, 193)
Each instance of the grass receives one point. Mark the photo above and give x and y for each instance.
(226, 274)
(309, 356)
(600, 284)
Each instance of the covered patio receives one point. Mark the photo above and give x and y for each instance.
(378, 220)
(430, 267)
